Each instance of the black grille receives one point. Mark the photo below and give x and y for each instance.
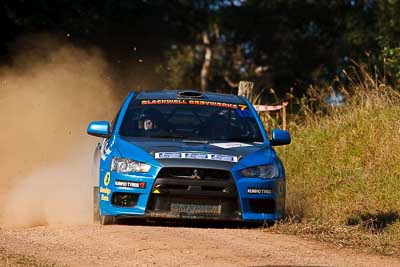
(262, 205)
(197, 192)
(188, 173)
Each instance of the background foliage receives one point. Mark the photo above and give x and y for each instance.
(279, 44)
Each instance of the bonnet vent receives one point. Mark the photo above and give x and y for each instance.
(190, 94)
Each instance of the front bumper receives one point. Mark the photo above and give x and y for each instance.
(232, 198)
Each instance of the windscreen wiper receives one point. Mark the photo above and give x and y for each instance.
(201, 141)
(184, 138)
(242, 139)
(172, 136)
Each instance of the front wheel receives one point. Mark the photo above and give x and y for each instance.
(96, 213)
(107, 220)
(104, 219)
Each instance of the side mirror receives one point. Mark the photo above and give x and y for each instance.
(280, 137)
(99, 129)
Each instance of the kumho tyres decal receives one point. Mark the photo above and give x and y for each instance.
(192, 102)
(128, 184)
(259, 191)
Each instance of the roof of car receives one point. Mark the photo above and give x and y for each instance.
(176, 94)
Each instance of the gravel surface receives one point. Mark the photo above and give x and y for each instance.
(144, 245)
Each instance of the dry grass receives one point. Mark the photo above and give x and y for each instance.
(343, 168)
(357, 237)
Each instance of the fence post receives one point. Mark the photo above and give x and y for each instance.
(246, 90)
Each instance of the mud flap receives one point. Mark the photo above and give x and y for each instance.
(96, 214)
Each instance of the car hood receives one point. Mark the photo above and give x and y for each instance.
(247, 154)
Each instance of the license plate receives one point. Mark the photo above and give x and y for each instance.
(195, 209)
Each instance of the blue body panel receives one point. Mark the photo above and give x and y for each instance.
(259, 154)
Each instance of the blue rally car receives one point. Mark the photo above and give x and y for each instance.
(189, 155)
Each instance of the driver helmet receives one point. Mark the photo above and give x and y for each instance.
(148, 120)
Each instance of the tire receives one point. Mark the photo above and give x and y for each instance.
(96, 213)
(104, 219)
(107, 220)
(269, 223)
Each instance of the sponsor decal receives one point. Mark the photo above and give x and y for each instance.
(156, 191)
(230, 145)
(259, 191)
(191, 102)
(107, 179)
(106, 151)
(167, 155)
(195, 155)
(129, 184)
(242, 107)
(105, 190)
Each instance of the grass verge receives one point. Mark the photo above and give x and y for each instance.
(343, 172)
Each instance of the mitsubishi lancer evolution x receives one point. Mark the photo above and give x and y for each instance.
(189, 155)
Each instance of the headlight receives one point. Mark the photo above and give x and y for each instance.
(128, 165)
(262, 171)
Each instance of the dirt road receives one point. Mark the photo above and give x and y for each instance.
(132, 245)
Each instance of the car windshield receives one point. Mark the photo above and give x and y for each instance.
(192, 120)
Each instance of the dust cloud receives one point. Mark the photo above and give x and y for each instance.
(47, 97)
